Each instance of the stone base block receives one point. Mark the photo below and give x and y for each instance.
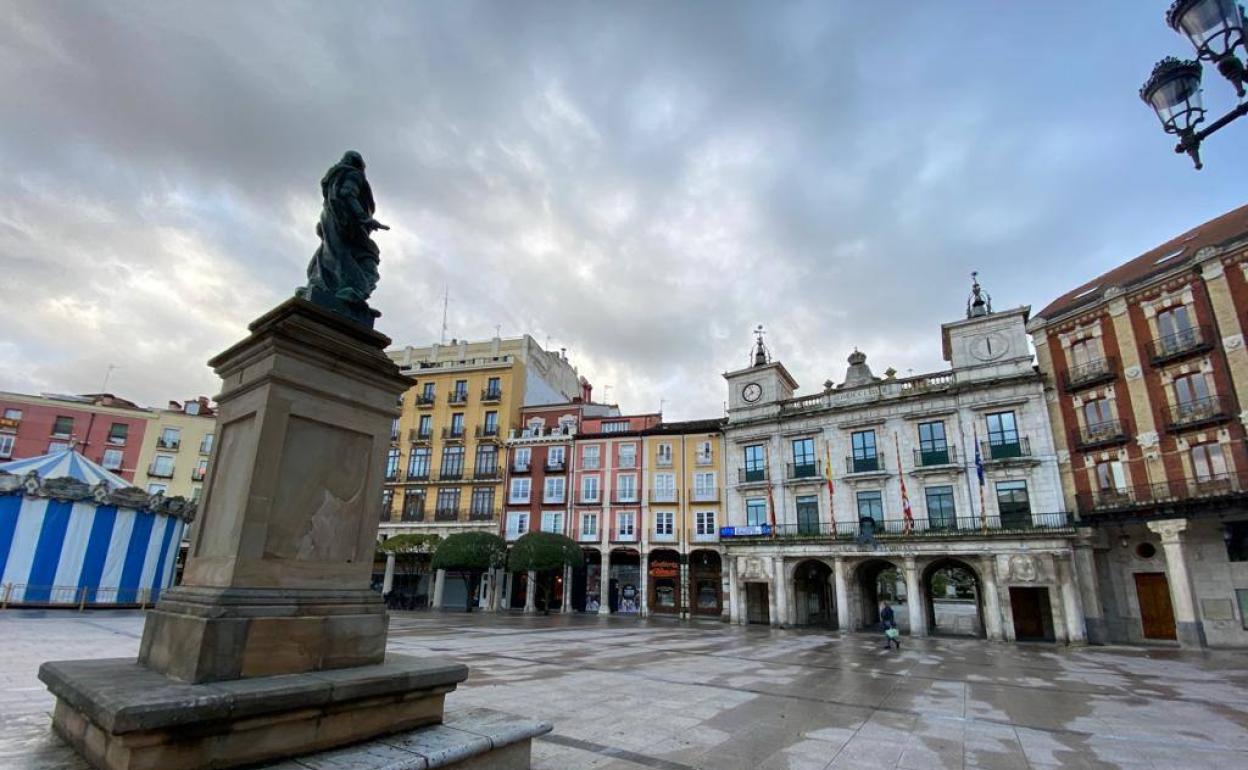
(198, 634)
(120, 715)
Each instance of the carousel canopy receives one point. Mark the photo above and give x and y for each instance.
(66, 464)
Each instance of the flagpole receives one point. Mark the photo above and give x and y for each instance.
(827, 472)
(906, 514)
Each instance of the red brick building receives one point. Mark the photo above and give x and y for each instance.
(1148, 379)
(107, 429)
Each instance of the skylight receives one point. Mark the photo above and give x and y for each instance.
(1086, 292)
(1169, 256)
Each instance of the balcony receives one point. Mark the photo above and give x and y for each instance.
(155, 471)
(705, 537)
(871, 464)
(392, 475)
(557, 466)
(993, 450)
(589, 501)
(491, 395)
(116, 440)
(198, 474)
(511, 535)
(587, 536)
(627, 462)
(484, 514)
(453, 434)
(1203, 411)
(449, 474)
(1172, 347)
(413, 513)
(420, 474)
(171, 444)
(1108, 433)
(936, 457)
(1089, 373)
(424, 401)
(664, 536)
(554, 500)
(704, 460)
(663, 462)
(624, 535)
(10, 423)
(417, 436)
(446, 514)
(751, 475)
(520, 467)
(492, 473)
(664, 495)
(705, 495)
(457, 397)
(804, 471)
(488, 432)
(625, 498)
(895, 528)
(1169, 496)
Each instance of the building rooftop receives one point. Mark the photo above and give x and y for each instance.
(1156, 261)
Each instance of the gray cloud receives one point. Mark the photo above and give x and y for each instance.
(642, 182)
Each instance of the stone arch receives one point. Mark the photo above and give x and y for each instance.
(814, 595)
(624, 580)
(866, 582)
(957, 609)
(706, 575)
(663, 585)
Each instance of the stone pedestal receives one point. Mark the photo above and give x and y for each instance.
(273, 645)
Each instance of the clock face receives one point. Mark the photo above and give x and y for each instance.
(990, 347)
(752, 392)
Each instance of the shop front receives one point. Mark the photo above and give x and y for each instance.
(665, 582)
(706, 583)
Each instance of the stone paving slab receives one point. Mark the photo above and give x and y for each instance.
(625, 694)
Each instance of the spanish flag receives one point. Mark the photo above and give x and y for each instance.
(827, 474)
(906, 514)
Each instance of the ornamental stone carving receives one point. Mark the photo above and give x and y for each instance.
(65, 488)
(1132, 372)
(1170, 530)
(1147, 439)
(1233, 342)
(1023, 568)
(10, 483)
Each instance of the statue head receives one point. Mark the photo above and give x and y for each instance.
(353, 159)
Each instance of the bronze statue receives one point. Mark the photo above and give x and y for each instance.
(343, 272)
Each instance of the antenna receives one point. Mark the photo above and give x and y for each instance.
(498, 330)
(107, 374)
(446, 300)
(662, 401)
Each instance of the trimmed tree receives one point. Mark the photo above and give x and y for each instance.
(545, 553)
(470, 554)
(408, 550)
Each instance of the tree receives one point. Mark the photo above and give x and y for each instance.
(408, 551)
(544, 553)
(470, 554)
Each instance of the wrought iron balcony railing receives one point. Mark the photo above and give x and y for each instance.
(807, 470)
(1176, 345)
(935, 456)
(751, 475)
(1167, 493)
(1101, 434)
(171, 444)
(424, 401)
(1005, 449)
(487, 431)
(555, 467)
(1202, 411)
(444, 513)
(156, 471)
(871, 464)
(457, 397)
(896, 528)
(704, 495)
(418, 436)
(453, 434)
(664, 535)
(489, 473)
(1089, 373)
(491, 396)
(624, 535)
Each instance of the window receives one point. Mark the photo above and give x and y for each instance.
(553, 491)
(521, 459)
(519, 491)
(1175, 332)
(413, 505)
(170, 438)
(461, 391)
(704, 523)
(448, 502)
(58, 446)
(157, 489)
(205, 444)
(1236, 536)
(117, 433)
(756, 511)
(1110, 477)
(6, 445)
(162, 467)
(807, 515)
(664, 488)
(392, 464)
(111, 459)
(940, 510)
(552, 521)
(482, 501)
(191, 407)
(487, 460)
(63, 427)
(1013, 504)
(589, 489)
(705, 453)
(517, 524)
(13, 414)
(457, 425)
(1098, 414)
(627, 524)
(1208, 462)
(387, 499)
(200, 470)
(394, 429)
(452, 462)
(871, 506)
(493, 388)
(555, 457)
(663, 454)
(664, 524)
(418, 463)
(491, 423)
(424, 429)
(626, 488)
(1084, 352)
(804, 458)
(1191, 393)
(427, 392)
(628, 455)
(755, 465)
(589, 526)
(533, 427)
(615, 427)
(590, 456)
(933, 447)
(196, 493)
(1002, 429)
(865, 458)
(704, 486)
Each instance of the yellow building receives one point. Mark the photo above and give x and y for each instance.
(683, 510)
(445, 469)
(173, 458)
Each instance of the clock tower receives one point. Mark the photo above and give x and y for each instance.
(757, 389)
(987, 344)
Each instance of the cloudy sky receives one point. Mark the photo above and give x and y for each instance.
(639, 182)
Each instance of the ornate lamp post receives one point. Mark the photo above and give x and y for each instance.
(1216, 29)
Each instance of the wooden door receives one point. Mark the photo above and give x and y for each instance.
(1028, 612)
(1156, 612)
(758, 605)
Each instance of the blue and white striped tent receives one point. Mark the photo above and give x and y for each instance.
(71, 532)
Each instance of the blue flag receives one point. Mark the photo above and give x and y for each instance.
(979, 461)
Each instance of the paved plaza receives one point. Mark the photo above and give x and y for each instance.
(627, 694)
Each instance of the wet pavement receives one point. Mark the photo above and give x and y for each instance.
(625, 694)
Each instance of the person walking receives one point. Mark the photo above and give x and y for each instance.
(888, 624)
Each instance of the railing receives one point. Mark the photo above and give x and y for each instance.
(457, 397)
(452, 433)
(1102, 434)
(810, 470)
(198, 474)
(873, 464)
(116, 440)
(449, 474)
(168, 443)
(625, 498)
(446, 514)
(483, 514)
(19, 594)
(1202, 411)
(412, 513)
(417, 435)
(591, 501)
(554, 499)
(705, 495)
(491, 396)
(1005, 450)
(705, 537)
(487, 474)
(392, 475)
(702, 459)
(935, 456)
(424, 401)
(663, 462)
(626, 463)
(514, 534)
(418, 475)
(487, 431)
(623, 536)
(517, 467)
(555, 467)
(664, 495)
(160, 473)
(664, 537)
(1222, 485)
(751, 475)
(587, 537)
(896, 528)
(1089, 373)
(1196, 339)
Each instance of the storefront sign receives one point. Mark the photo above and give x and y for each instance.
(9, 423)
(664, 569)
(757, 530)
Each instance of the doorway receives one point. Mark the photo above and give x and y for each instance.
(757, 603)
(665, 582)
(813, 594)
(954, 603)
(705, 581)
(1033, 617)
(1156, 612)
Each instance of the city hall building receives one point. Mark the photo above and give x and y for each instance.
(818, 526)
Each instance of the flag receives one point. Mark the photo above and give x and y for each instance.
(771, 500)
(827, 472)
(979, 471)
(907, 515)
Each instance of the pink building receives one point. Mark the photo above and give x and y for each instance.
(104, 428)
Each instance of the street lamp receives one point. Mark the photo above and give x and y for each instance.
(1216, 29)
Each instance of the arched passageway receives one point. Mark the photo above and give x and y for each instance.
(879, 580)
(664, 583)
(954, 598)
(624, 584)
(706, 583)
(813, 596)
